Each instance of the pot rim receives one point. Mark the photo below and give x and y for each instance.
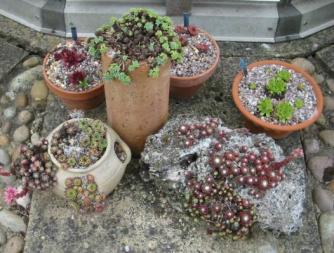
(213, 66)
(98, 162)
(61, 90)
(266, 125)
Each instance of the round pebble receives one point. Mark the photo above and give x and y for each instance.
(152, 245)
(3, 237)
(324, 199)
(14, 245)
(304, 64)
(21, 134)
(4, 140)
(329, 103)
(21, 100)
(318, 164)
(330, 186)
(31, 62)
(319, 78)
(326, 225)
(4, 157)
(5, 128)
(39, 91)
(24, 117)
(330, 84)
(327, 137)
(35, 139)
(312, 146)
(9, 112)
(4, 100)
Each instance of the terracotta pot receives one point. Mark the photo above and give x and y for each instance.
(140, 109)
(255, 124)
(83, 100)
(107, 171)
(186, 87)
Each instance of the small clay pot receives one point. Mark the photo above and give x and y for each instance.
(107, 171)
(186, 87)
(83, 100)
(256, 124)
(139, 109)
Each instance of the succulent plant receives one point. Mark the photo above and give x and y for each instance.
(89, 138)
(265, 107)
(83, 195)
(284, 111)
(285, 75)
(299, 103)
(70, 57)
(34, 167)
(140, 35)
(276, 87)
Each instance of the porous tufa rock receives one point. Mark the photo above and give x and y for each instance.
(166, 160)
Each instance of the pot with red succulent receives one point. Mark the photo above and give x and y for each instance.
(136, 51)
(276, 97)
(74, 75)
(200, 59)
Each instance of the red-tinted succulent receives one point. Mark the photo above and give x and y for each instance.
(180, 29)
(69, 57)
(76, 77)
(193, 30)
(202, 47)
(183, 40)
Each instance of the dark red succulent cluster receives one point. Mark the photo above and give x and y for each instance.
(69, 57)
(183, 39)
(76, 77)
(180, 29)
(214, 198)
(225, 212)
(202, 47)
(193, 30)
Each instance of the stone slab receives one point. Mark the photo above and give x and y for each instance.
(10, 56)
(138, 218)
(326, 56)
(29, 39)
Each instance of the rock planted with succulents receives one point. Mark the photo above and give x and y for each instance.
(228, 178)
(79, 144)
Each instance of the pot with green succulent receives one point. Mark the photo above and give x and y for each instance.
(136, 50)
(91, 160)
(201, 58)
(73, 75)
(277, 97)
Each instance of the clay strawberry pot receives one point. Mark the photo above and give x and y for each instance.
(139, 109)
(278, 131)
(105, 172)
(83, 100)
(186, 87)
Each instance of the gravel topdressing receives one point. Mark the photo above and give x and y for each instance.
(261, 75)
(59, 72)
(195, 62)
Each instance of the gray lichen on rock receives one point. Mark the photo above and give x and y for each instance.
(167, 159)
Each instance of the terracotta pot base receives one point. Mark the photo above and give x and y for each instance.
(257, 129)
